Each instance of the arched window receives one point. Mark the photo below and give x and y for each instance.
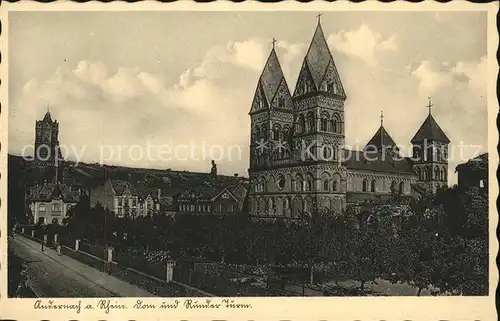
(437, 173)
(335, 185)
(263, 132)
(324, 123)
(326, 185)
(445, 177)
(299, 183)
(330, 87)
(262, 206)
(365, 185)
(301, 123)
(373, 187)
(271, 206)
(334, 125)
(281, 102)
(286, 133)
(310, 122)
(309, 185)
(326, 181)
(401, 187)
(276, 133)
(393, 187)
(429, 173)
(256, 134)
(327, 153)
(261, 103)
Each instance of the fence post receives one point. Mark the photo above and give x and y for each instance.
(33, 233)
(169, 273)
(55, 238)
(109, 258)
(77, 244)
(44, 241)
(58, 249)
(22, 230)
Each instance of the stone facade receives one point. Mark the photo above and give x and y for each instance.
(47, 141)
(298, 162)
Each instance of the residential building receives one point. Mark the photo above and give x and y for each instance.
(213, 198)
(117, 196)
(474, 173)
(50, 202)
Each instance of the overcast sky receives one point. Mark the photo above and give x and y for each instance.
(124, 78)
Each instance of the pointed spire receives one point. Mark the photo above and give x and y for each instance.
(430, 129)
(269, 82)
(381, 140)
(319, 73)
(318, 56)
(47, 115)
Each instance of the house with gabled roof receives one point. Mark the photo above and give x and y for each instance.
(118, 196)
(51, 202)
(213, 198)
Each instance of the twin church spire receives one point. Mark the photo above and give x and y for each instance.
(318, 74)
(272, 90)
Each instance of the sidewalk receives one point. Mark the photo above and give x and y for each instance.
(102, 279)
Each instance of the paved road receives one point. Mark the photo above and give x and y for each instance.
(50, 278)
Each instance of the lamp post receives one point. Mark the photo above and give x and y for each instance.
(44, 240)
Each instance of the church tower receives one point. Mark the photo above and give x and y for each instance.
(271, 117)
(382, 143)
(319, 136)
(430, 154)
(47, 140)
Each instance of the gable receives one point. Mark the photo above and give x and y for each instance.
(331, 81)
(259, 101)
(305, 82)
(282, 99)
(225, 195)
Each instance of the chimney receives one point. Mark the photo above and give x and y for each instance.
(213, 171)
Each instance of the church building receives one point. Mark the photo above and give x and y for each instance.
(298, 161)
(47, 141)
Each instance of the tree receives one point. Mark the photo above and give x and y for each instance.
(222, 236)
(315, 241)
